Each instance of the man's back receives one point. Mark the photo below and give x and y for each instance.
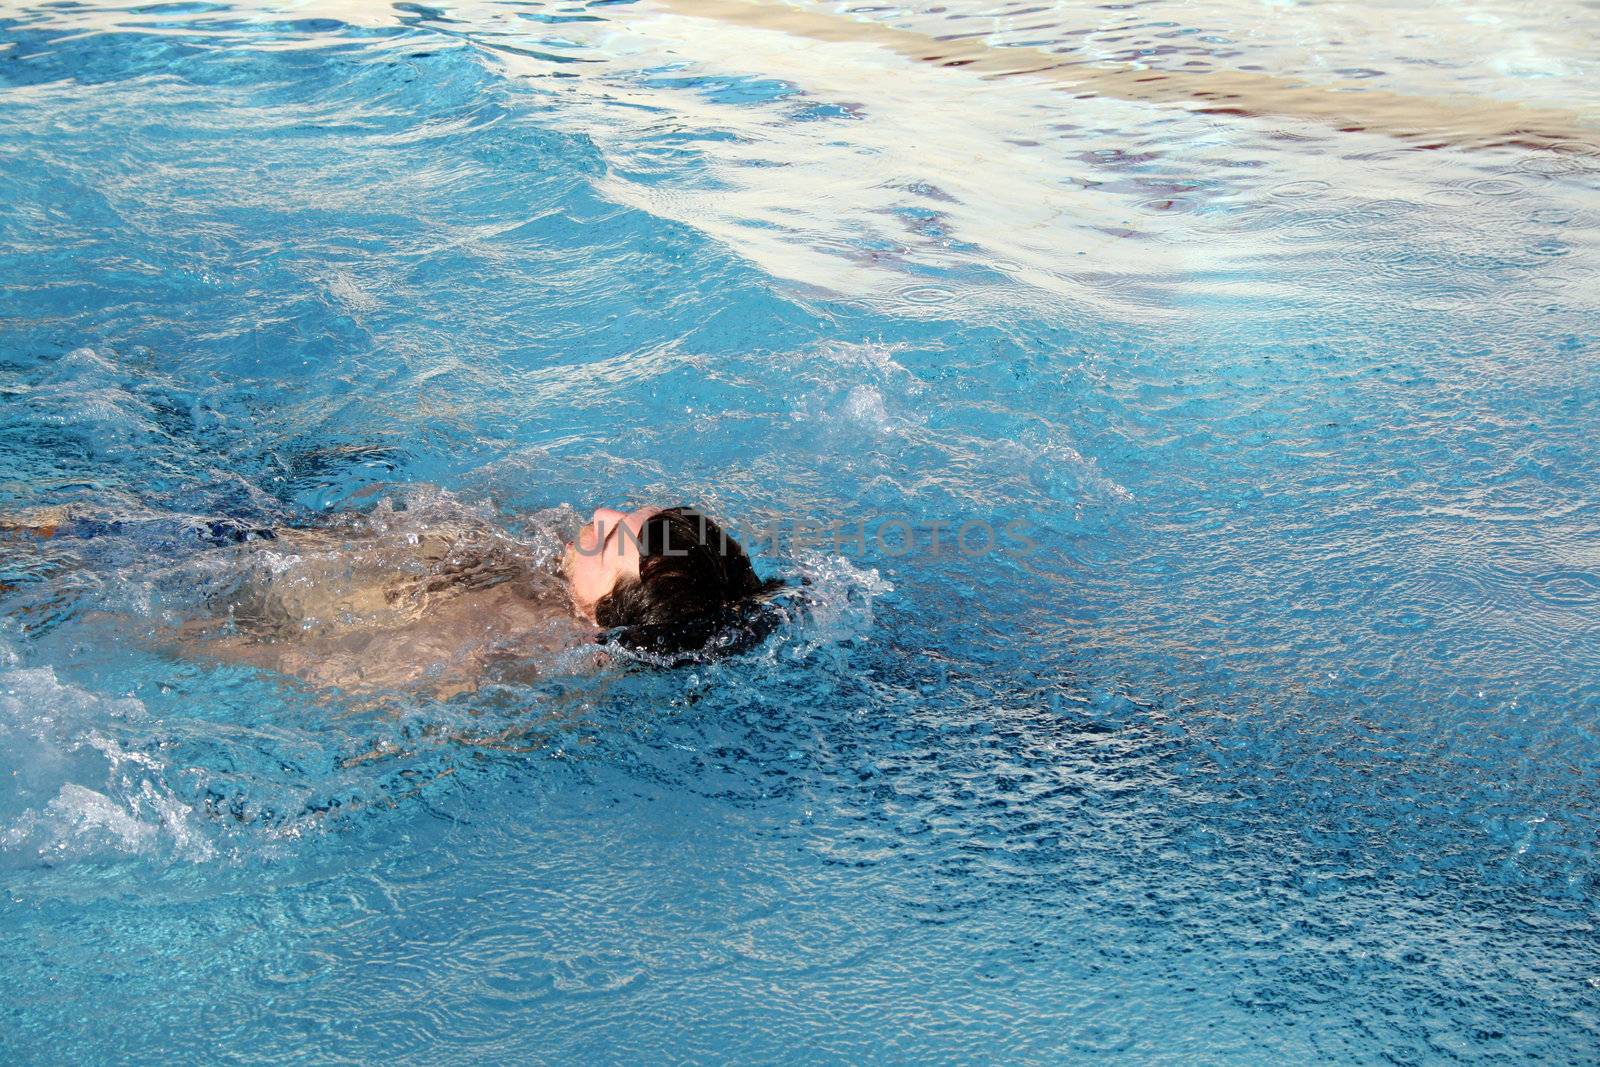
(398, 606)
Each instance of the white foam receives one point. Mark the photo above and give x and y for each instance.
(859, 386)
(74, 788)
(1056, 467)
(837, 604)
(86, 391)
(864, 404)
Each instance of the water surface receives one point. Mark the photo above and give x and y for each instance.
(1279, 745)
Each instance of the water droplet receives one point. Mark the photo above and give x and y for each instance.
(1301, 190)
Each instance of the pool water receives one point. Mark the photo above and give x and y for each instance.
(1273, 327)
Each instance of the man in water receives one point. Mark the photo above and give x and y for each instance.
(438, 600)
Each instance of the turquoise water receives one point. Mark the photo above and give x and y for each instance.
(1279, 745)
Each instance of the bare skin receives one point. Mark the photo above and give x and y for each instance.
(605, 553)
(440, 614)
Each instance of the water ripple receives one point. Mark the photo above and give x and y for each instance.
(1292, 669)
(1568, 589)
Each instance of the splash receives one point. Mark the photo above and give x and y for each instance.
(78, 789)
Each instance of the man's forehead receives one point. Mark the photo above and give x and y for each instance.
(634, 522)
(637, 519)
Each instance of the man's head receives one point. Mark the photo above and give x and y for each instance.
(656, 570)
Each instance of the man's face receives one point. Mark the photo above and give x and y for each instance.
(606, 552)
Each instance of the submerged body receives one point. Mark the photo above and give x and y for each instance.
(440, 610)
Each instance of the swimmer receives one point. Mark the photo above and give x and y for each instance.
(440, 601)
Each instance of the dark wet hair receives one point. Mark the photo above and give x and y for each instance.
(697, 590)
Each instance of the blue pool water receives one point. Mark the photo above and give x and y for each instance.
(1281, 744)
